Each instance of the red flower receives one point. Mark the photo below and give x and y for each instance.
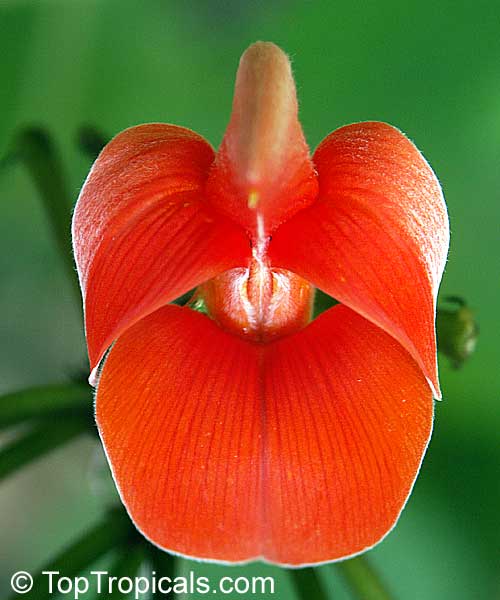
(256, 433)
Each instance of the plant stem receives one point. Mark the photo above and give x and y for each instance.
(91, 140)
(165, 565)
(308, 584)
(36, 149)
(127, 564)
(45, 402)
(362, 579)
(37, 442)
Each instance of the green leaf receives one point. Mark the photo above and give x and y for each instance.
(45, 402)
(35, 148)
(113, 531)
(38, 441)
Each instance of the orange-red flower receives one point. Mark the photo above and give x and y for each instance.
(254, 432)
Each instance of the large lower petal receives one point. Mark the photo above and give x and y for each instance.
(143, 232)
(348, 417)
(180, 414)
(377, 238)
(299, 451)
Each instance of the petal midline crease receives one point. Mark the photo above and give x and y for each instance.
(302, 450)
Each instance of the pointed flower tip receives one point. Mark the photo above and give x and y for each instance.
(94, 376)
(261, 63)
(263, 53)
(264, 109)
(263, 163)
(435, 388)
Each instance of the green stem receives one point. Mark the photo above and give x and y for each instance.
(38, 441)
(164, 565)
(114, 530)
(307, 584)
(91, 140)
(127, 564)
(362, 579)
(36, 149)
(45, 402)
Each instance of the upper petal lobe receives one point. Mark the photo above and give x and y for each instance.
(377, 237)
(143, 233)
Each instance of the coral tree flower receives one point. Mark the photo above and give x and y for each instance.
(255, 432)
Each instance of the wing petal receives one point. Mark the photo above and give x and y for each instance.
(143, 233)
(377, 238)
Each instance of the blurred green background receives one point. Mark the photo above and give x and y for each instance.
(432, 68)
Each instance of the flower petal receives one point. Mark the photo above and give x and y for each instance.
(298, 451)
(348, 419)
(377, 238)
(179, 412)
(143, 233)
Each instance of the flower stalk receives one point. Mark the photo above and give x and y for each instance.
(363, 579)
